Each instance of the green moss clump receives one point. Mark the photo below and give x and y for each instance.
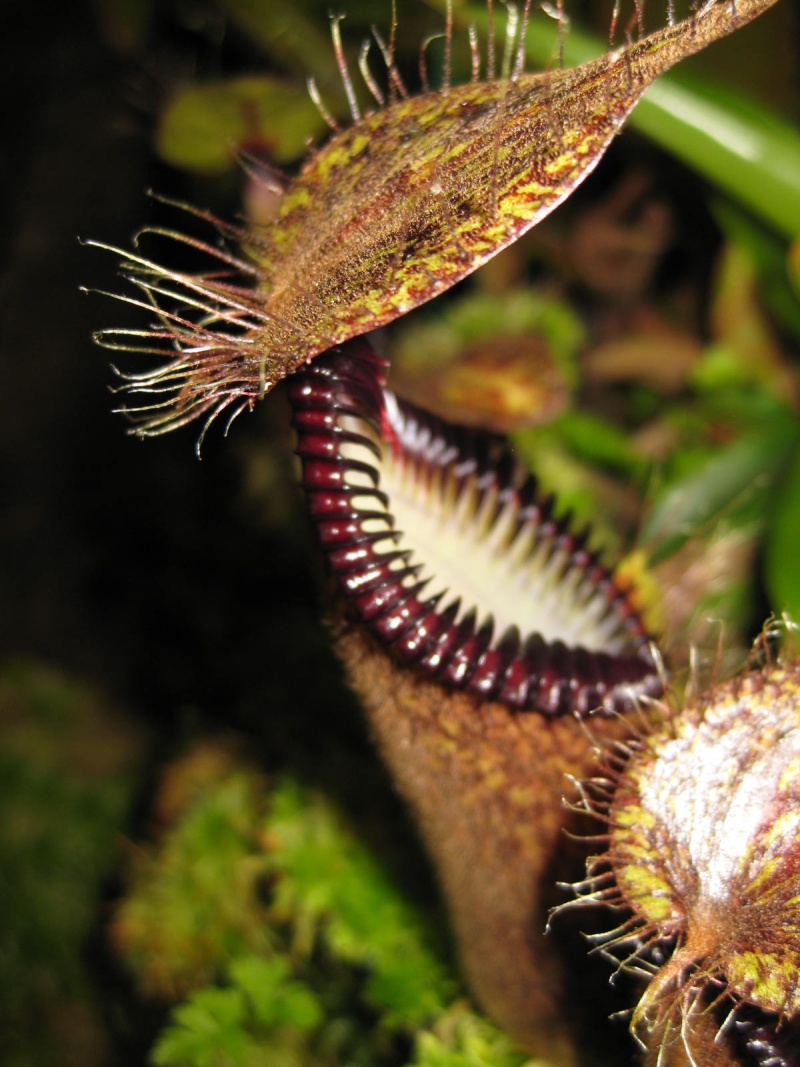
(282, 938)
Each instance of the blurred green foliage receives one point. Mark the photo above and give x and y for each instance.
(195, 903)
(63, 799)
(320, 960)
(204, 127)
(259, 1016)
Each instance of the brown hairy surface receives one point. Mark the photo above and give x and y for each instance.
(485, 787)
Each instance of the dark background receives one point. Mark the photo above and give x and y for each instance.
(130, 563)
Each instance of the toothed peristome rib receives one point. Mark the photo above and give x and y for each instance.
(447, 551)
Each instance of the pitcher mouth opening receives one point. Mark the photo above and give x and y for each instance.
(450, 554)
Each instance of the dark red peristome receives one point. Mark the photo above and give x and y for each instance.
(340, 399)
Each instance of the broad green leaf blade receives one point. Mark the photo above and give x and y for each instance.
(782, 548)
(744, 149)
(737, 475)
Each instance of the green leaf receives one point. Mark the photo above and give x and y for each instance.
(203, 125)
(206, 1031)
(598, 441)
(483, 315)
(274, 997)
(781, 555)
(737, 476)
(745, 150)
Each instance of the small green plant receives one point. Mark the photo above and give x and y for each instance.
(261, 1011)
(281, 938)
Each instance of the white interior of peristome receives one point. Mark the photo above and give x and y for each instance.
(484, 564)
